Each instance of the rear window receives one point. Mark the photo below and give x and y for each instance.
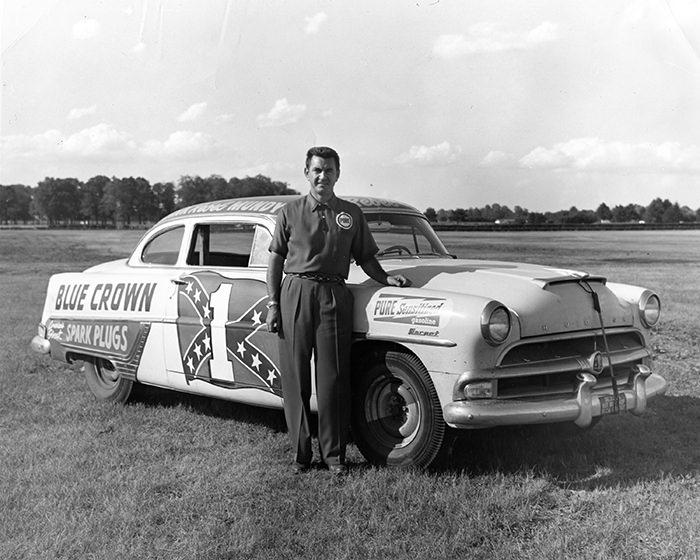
(163, 248)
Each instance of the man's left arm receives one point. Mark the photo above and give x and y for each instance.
(375, 271)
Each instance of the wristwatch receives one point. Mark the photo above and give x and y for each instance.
(272, 303)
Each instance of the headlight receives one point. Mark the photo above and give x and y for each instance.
(649, 309)
(495, 323)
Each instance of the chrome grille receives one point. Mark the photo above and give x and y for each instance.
(533, 369)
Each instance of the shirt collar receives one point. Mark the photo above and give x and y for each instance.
(332, 202)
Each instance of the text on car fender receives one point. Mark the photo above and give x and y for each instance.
(123, 296)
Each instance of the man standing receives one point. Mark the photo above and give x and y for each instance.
(314, 240)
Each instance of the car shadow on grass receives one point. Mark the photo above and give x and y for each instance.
(620, 450)
(217, 408)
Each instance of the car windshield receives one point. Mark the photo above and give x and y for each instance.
(401, 235)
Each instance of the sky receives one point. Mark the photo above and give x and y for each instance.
(447, 104)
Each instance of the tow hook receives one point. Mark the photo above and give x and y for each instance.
(597, 308)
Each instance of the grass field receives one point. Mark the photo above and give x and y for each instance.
(175, 477)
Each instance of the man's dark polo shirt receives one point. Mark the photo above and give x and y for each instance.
(312, 239)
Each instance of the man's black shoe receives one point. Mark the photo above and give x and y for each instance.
(337, 470)
(300, 468)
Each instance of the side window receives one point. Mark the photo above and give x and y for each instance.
(222, 245)
(164, 248)
(261, 245)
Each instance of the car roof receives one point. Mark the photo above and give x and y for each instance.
(270, 205)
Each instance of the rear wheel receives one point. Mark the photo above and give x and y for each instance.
(396, 417)
(105, 382)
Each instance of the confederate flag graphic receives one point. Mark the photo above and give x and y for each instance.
(222, 334)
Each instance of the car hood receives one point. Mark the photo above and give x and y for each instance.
(546, 300)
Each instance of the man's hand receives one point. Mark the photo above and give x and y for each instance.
(398, 280)
(375, 271)
(273, 318)
(273, 278)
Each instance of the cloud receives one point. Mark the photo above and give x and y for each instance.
(430, 156)
(225, 118)
(100, 140)
(104, 142)
(313, 23)
(30, 146)
(281, 114)
(495, 158)
(86, 29)
(80, 112)
(182, 144)
(593, 154)
(492, 38)
(193, 112)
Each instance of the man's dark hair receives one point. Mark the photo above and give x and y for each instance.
(323, 152)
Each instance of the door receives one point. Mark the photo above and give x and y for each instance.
(221, 309)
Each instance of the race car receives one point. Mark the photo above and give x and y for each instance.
(472, 344)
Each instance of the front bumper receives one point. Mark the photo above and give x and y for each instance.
(581, 409)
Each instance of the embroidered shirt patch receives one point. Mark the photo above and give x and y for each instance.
(344, 220)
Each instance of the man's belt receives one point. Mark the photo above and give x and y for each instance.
(319, 277)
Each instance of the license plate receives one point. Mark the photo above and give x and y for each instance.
(607, 404)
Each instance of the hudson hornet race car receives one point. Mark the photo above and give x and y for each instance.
(471, 344)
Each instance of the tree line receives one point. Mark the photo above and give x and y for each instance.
(657, 212)
(115, 202)
(121, 202)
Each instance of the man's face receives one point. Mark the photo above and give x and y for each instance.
(322, 175)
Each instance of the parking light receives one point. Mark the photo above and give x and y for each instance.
(480, 390)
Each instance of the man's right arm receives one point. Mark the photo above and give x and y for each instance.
(275, 266)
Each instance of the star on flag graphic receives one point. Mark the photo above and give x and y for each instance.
(228, 329)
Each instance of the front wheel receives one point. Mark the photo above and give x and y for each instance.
(396, 414)
(105, 382)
